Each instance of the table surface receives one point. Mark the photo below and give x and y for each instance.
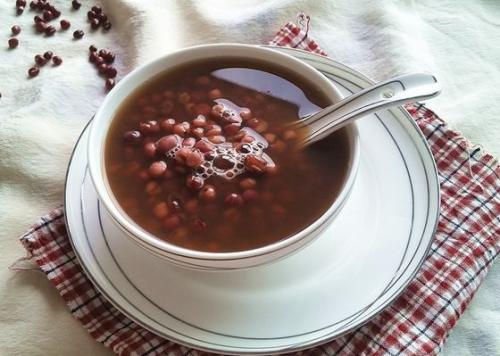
(41, 118)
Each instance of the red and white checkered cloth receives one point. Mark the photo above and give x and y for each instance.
(417, 323)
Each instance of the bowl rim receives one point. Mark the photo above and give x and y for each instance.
(135, 231)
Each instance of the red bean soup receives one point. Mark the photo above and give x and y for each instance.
(200, 156)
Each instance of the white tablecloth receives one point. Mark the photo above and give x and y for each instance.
(41, 118)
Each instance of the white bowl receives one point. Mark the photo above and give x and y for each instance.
(192, 258)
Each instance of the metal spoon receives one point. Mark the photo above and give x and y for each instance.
(392, 92)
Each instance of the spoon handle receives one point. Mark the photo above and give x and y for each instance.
(392, 92)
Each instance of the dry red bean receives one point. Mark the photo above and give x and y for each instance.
(160, 210)
(234, 199)
(167, 125)
(37, 19)
(200, 121)
(207, 193)
(93, 57)
(215, 94)
(40, 60)
(149, 127)
(102, 68)
(217, 139)
(40, 27)
(65, 24)
(110, 83)
(204, 146)
(198, 132)
(250, 195)
(195, 182)
(182, 128)
(289, 135)
(246, 114)
(232, 129)
(192, 206)
(157, 169)
(132, 137)
(202, 109)
(166, 143)
(92, 48)
(102, 18)
(94, 24)
(150, 149)
(50, 30)
(107, 26)
(189, 142)
(78, 34)
(91, 15)
(20, 3)
(111, 72)
(16, 29)
(270, 137)
(103, 52)
(248, 183)
(56, 60)
(255, 164)
(96, 9)
(20, 10)
(172, 222)
(47, 15)
(33, 72)
(75, 4)
(13, 42)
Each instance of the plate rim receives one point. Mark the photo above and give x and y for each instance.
(384, 305)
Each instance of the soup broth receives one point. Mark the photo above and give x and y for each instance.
(200, 156)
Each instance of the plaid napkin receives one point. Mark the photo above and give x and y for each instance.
(417, 323)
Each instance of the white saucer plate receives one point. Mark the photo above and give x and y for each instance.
(355, 268)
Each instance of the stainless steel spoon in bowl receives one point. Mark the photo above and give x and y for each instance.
(393, 92)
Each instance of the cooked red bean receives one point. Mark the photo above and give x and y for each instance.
(208, 193)
(213, 130)
(192, 206)
(202, 109)
(182, 128)
(217, 139)
(255, 164)
(234, 199)
(160, 210)
(189, 142)
(132, 137)
(167, 143)
(195, 182)
(250, 195)
(198, 132)
(215, 94)
(16, 29)
(246, 114)
(152, 188)
(157, 169)
(167, 125)
(279, 146)
(248, 183)
(13, 42)
(289, 135)
(198, 224)
(149, 127)
(204, 146)
(150, 149)
(172, 222)
(200, 121)
(194, 158)
(270, 137)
